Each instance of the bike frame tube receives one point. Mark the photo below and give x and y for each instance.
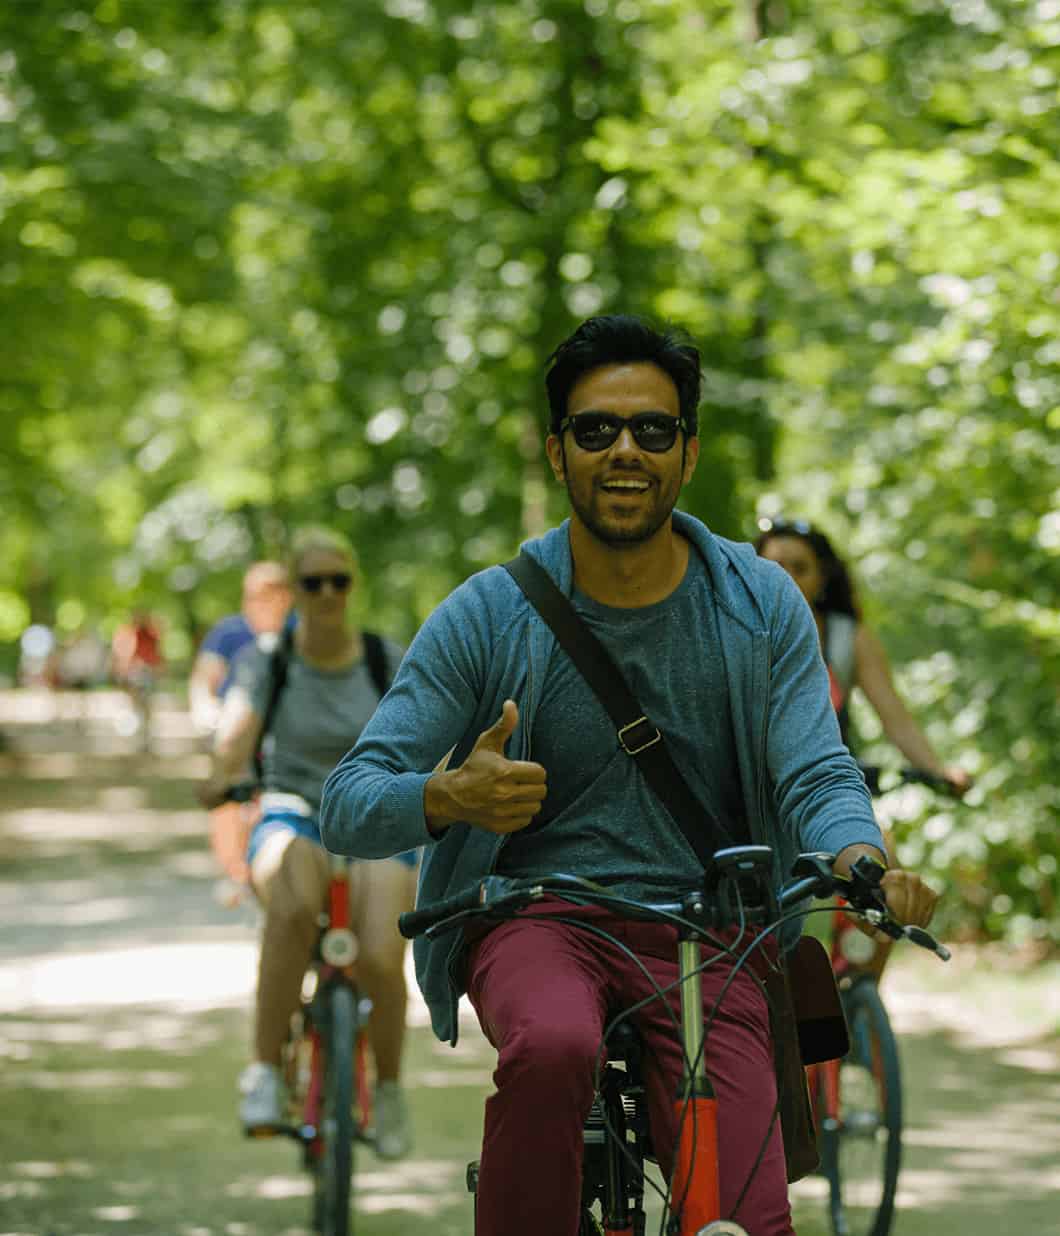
(695, 1187)
(339, 894)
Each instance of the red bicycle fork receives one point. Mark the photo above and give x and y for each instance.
(695, 1192)
(338, 952)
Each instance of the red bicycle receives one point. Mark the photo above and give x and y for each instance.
(616, 1138)
(325, 1065)
(858, 1099)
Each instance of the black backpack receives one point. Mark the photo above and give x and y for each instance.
(374, 659)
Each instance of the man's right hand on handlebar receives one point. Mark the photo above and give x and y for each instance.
(488, 790)
(909, 899)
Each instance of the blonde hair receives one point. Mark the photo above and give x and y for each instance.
(316, 537)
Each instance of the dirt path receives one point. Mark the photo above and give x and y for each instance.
(123, 996)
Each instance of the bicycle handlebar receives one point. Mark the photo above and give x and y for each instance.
(906, 776)
(481, 896)
(812, 876)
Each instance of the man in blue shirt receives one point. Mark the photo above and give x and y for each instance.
(266, 603)
(492, 752)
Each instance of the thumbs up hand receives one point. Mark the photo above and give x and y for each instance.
(488, 789)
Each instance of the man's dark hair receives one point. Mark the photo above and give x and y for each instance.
(621, 339)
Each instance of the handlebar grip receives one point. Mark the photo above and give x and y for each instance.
(240, 792)
(920, 776)
(414, 923)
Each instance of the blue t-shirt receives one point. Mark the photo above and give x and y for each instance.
(600, 817)
(225, 639)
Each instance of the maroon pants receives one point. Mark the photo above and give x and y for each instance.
(543, 992)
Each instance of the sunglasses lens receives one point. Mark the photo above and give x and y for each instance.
(340, 581)
(595, 431)
(655, 433)
(652, 431)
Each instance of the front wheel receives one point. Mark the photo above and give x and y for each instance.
(861, 1145)
(337, 1129)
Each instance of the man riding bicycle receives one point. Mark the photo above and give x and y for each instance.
(492, 752)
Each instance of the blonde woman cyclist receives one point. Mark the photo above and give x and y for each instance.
(327, 697)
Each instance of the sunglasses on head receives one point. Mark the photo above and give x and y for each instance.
(339, 580)
(596, 431)
(777, 523)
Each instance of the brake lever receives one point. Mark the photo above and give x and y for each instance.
(865, 894)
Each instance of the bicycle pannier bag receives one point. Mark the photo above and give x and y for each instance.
(808, 1025)
(793, 1095)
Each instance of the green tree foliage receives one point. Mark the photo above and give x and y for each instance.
(263, 263)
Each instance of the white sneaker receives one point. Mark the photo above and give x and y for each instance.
(262, 1095)
(393, 1134)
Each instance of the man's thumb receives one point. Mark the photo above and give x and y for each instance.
(499, 733)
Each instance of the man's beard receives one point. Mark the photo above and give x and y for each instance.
(616, 532)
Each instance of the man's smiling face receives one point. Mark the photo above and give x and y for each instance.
(623, 494)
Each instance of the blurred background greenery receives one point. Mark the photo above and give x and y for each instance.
(263, 263)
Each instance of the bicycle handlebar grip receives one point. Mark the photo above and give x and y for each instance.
(240, 792)
(920, 776)
(414, 923)
(926, 940)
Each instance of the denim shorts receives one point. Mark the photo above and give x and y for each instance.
(276, 821)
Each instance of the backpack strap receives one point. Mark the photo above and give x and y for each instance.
(279, 660)
(375, 659)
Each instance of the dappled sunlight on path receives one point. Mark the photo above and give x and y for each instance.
(124, 995)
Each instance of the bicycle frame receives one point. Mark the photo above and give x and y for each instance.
(724, 900)
(323, 1017)
(695, 1174)
(694, 1181)
(337, 950)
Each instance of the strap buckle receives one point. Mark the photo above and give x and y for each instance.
(650, 741)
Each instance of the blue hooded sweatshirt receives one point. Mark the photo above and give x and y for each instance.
(484, 644)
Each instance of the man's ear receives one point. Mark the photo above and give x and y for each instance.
(556, 457)
(691, 459)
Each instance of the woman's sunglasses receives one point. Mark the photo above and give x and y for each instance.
(652, 431)
(339, 580)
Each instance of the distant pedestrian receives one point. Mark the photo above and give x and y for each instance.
(136, 663)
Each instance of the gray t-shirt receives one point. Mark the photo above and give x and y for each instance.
(318, 718)
(600, 818)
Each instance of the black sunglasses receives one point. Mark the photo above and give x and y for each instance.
(652, 431)
(339, 580)
(778, 523)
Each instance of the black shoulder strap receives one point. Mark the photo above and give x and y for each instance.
(375, 659)
(279, 660)
(639, 738)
